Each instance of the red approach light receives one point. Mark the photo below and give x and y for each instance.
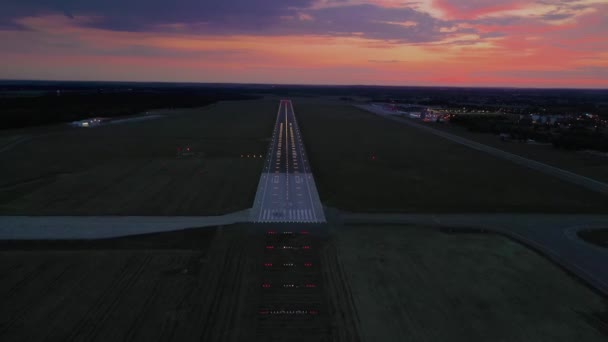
(373, 157)
(306, 247)
(313, 312)
(271, 232)
(266, 285)
(179, 149)
(188, 149)
(264, 312)
(269, 247)
(268, 264)
(304, 232)
(308, 264)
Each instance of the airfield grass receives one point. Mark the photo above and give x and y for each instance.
(416, 171)
(419, 284)
(597, 237)
(134, 168)
(177, 286)
(587, 164)
(395, 283)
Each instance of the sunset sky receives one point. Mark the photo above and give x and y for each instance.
(544, 43)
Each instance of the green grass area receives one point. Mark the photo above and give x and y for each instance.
(416, 283)
(587, 164)
(416, 171)
(134, 169)
(597, 237)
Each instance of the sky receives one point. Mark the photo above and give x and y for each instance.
(512, 43)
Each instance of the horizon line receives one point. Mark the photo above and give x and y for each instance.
(308, 84)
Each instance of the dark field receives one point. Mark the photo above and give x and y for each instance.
(415, 171)
(597, 237)
(65, 102)
(180, 286)
(373, 284)
(134, 169)
(412, 283)
(582, 163)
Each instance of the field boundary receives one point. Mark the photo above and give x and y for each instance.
(547, 235)
(586, 182)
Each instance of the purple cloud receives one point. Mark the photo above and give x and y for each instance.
(260, 17)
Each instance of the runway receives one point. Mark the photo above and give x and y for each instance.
(287, 191)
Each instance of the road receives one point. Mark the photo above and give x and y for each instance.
(568, 176)
(287, 191)
(103, 227)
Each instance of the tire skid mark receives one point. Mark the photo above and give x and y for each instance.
(340, 299)
(143, 310)
(130, 281)
(89, 317)
(35, 300)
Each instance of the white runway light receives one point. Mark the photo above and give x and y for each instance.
(290, 195)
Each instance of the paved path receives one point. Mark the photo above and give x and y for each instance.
(99, 227)
(287, 191)
(568, 176)
(552, 235)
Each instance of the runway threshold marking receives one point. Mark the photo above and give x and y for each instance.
(287, 205)
(270, 161)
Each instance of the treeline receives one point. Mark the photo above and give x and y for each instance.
(17, 112)
(575, 137)
(578, 141)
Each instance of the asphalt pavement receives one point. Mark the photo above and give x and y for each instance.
(286, 190)
(103, 227)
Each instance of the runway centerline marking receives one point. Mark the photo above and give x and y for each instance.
(287, 204)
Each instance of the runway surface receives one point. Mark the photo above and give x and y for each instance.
(287, 191)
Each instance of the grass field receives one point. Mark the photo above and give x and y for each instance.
(133, 168)
(191, 285)
(418, 284)
(586, 164)
(596, 236)
(374, 284)
(416, 171)
(157, 287)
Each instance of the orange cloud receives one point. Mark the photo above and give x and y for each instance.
(523, 53)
